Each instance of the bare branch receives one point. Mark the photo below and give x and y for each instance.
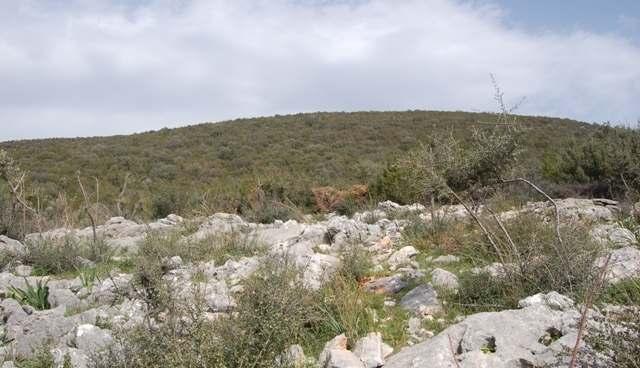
(537, 189)
(121, 195)
(480, 224)
(86, 208)
(506, 234)
(595, 288)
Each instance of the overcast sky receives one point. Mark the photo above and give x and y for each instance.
(79, 68)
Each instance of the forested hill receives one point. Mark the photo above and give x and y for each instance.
(288, 154)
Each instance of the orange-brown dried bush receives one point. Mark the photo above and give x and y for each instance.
(328, 199)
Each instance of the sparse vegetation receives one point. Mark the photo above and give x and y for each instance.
(67, 254)
(218, 167)
(321, 163)
(42, 359)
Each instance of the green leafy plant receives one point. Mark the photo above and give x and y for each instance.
(34, 295)
(87, 276)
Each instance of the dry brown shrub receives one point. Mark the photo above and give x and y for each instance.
(328, 199)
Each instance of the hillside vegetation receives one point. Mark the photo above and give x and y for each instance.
(348, 282)
(234, 166)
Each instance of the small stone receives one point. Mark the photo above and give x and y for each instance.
(553, 300)
(389, 303)
(422, 300)
(174, 263)
(370, 350)
(294, 357)
(446, 259)
(343, 359)
(386, 285)
(402, 257)
(337, 343)
(444, 279)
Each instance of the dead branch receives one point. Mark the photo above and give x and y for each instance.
(121, 195)
(87, 210)
(537, 189)
(480, 224)
(595, 288)
(506, 234)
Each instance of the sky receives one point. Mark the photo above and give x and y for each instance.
(83, 68)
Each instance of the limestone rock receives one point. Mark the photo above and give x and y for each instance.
(92, 339)
(294, 357)
(342, 359)
(337, 343)
(386, 285)
(446, 259)
(624, 264)
(613, 234)
(444, 279)
(553, 300)
(401, 257)
(511, 338)
(63, 297)
(218, 297)
(11, 246)
(422, 300)
(371, 350)
(416, 332)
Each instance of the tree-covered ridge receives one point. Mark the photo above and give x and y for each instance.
(217, 165)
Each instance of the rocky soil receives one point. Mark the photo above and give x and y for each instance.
(80, 319)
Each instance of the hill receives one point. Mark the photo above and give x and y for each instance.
(215, 166)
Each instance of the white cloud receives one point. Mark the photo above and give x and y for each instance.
(104, 67)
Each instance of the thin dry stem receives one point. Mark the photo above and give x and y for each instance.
(480, 224)
(86, 208)
(593, 291)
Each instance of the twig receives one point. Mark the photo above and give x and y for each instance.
(480, 224)
(587, 305)
(537, 189)
(121, 195)
(86, 208)
(507, 235)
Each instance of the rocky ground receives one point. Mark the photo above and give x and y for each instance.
(81, 316)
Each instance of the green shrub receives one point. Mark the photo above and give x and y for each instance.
(538, 263)
(56, 256)
(218, 248)
(42, 359)
(35, 296)
(611, 172)
(53, 256)
(429, 173)
(273, 312)
(355, 262)
(345, 308)
(626, 292)
(219, 164)
(441, 234)
(165, 202)
(87, 275)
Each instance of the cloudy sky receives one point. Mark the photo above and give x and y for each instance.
(79, 68)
